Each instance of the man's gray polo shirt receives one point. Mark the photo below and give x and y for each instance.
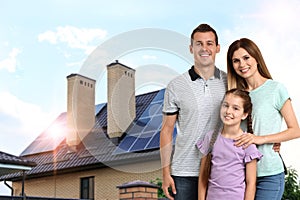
(197, 103)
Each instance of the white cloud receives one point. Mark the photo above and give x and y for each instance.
(77, 38)
(10, 63)
(32, 119)
(49, 36)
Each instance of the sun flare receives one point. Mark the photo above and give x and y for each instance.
(55, 131)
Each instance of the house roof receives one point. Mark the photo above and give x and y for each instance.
(96, 149)
(11, 164)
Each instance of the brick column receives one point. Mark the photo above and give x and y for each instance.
(138, 190)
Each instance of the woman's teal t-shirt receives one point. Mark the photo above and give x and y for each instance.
(267, 100)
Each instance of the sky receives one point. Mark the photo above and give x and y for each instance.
(42, 42)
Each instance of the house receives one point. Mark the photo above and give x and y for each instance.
(11, 164)
(96, 147)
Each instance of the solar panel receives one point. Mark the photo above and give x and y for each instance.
(99, 107)
(160, 96)
(143, 134)
(53, 135)
(50, 138)
(126, 144)
(152, 144)
(138, 126)
(141, 142)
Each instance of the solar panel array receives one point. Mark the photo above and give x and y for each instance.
(53, 135)
(144, 133)
(50, 138)
(99, 107)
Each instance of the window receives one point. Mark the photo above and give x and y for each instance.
(87, 188)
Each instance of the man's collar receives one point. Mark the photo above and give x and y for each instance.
(194, 75)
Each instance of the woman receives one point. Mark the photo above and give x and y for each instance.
(247, 70)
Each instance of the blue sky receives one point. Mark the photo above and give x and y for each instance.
(42, 42)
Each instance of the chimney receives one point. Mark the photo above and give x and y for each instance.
(120, 98)
(80, 108)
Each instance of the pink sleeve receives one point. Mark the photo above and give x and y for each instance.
(252, 153)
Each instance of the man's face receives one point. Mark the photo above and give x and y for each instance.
(204, 49)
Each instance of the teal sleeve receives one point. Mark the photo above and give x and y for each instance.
(281, 97)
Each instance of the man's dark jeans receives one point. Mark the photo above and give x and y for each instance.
(186, 188)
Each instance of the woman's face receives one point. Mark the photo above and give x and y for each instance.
(244, 64)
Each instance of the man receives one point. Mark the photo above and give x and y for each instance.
(192, 102)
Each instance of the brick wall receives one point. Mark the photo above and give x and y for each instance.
(106, 180)
(138, 190)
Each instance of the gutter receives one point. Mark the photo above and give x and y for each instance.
(11, 188)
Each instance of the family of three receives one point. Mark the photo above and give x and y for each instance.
(229, 126)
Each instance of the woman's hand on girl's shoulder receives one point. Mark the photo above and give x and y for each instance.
(247, 139)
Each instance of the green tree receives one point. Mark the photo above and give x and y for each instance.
(292, 187)
(158, 182)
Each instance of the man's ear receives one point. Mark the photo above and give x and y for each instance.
(218, 48)
(191, 49)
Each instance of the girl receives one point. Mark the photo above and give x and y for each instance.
(233, 169)
(247, 70)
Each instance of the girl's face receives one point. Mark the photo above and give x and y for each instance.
(244, 64)
(232, 110)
